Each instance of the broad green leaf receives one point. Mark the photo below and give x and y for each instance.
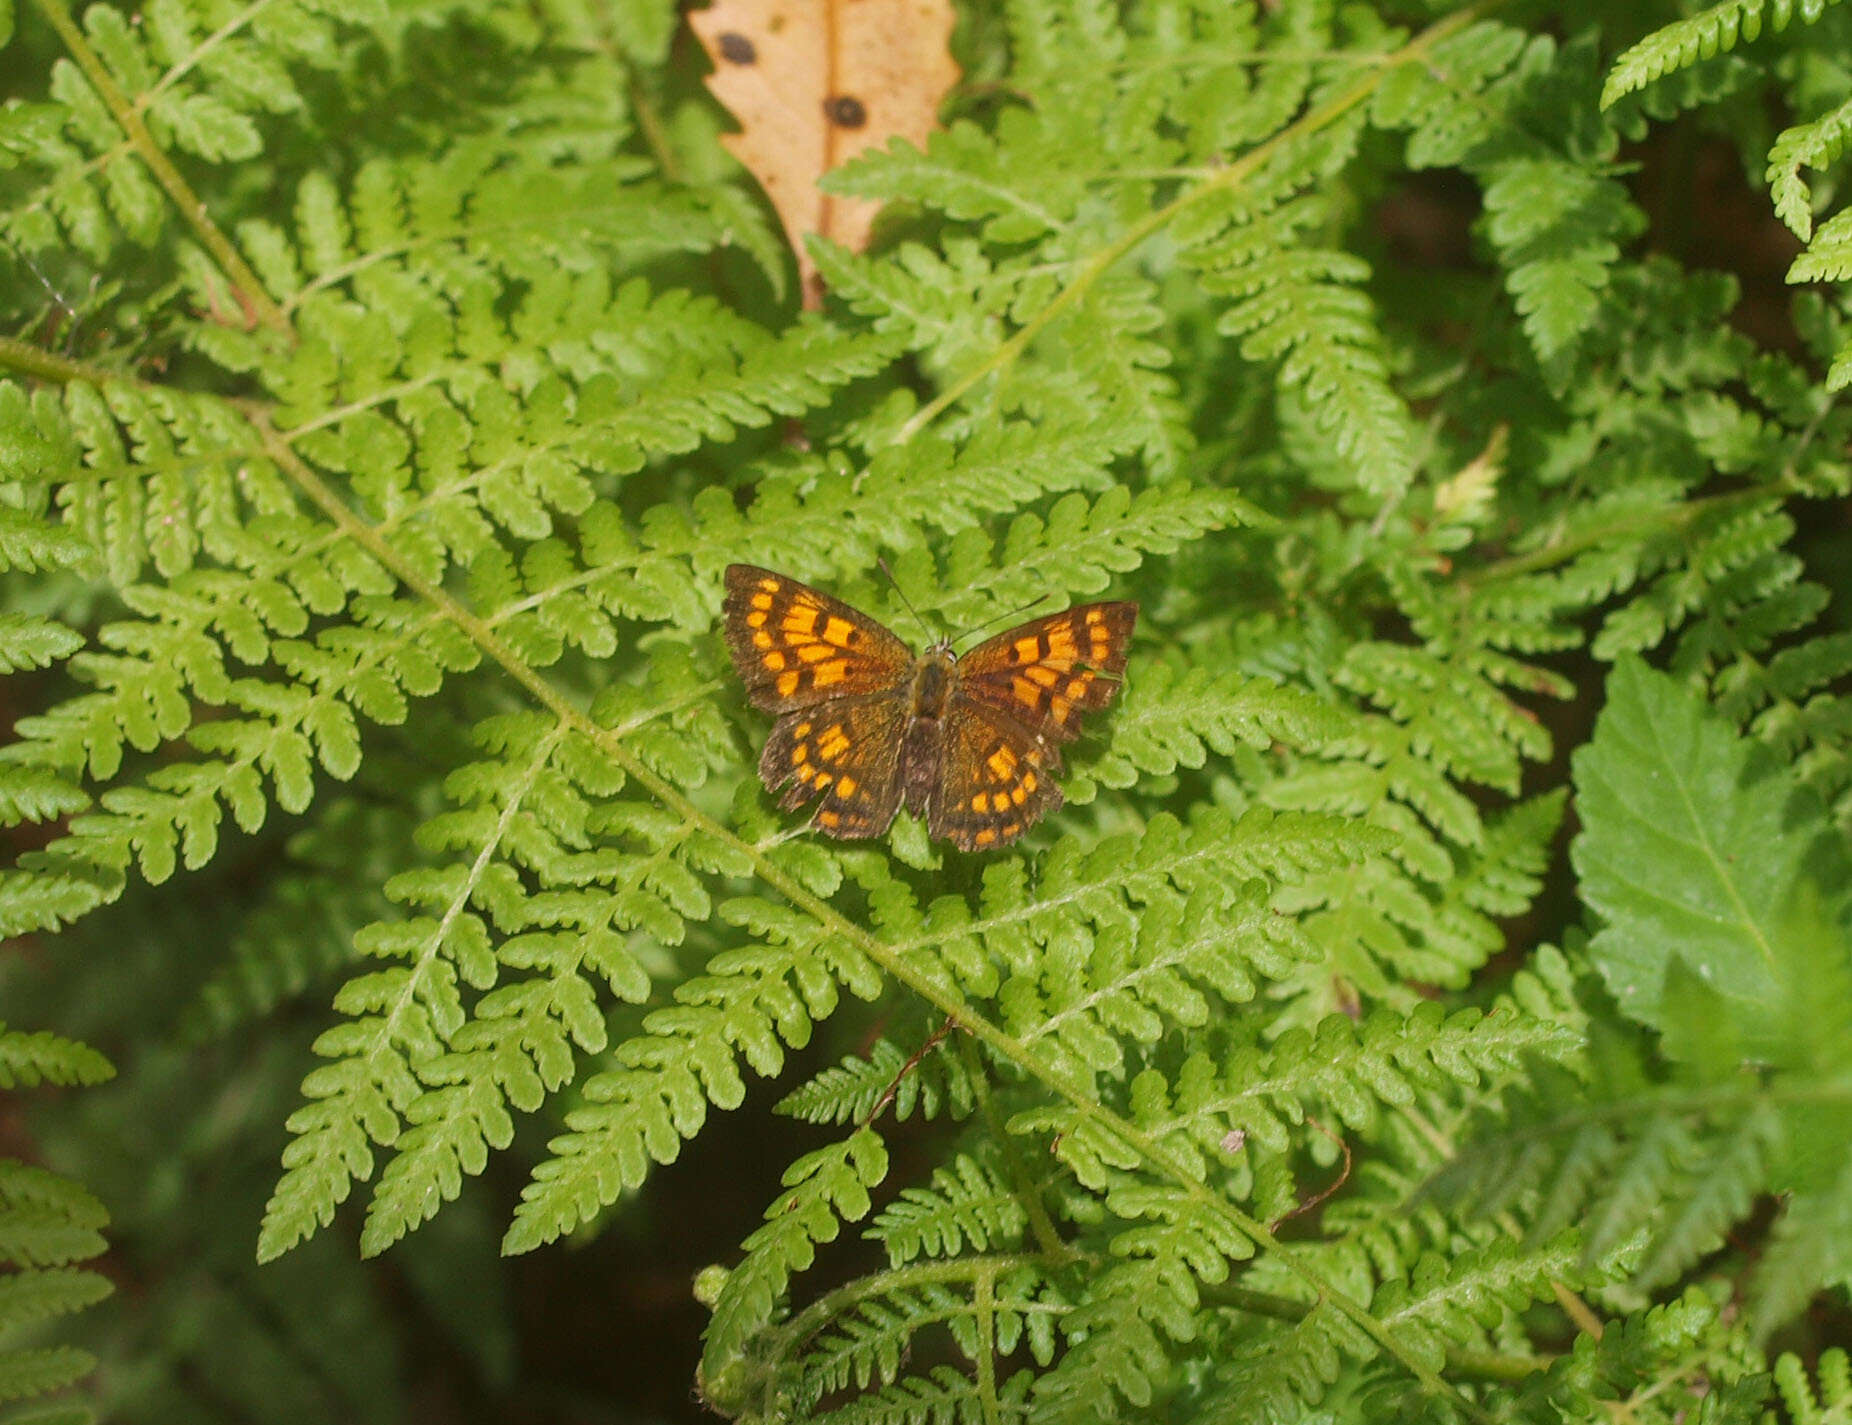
(1698, 847)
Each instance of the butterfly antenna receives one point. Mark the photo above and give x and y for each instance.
(1005, 617)
(908, 603)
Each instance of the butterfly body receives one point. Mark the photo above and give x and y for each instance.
(922, 743)
(970, 744)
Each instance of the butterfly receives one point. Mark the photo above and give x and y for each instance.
(970, 744)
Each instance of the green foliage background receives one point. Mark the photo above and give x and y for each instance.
(1435, 1000)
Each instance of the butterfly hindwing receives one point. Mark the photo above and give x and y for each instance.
(995, 779)
(1045, 674)
(795, 646)
(847, 753)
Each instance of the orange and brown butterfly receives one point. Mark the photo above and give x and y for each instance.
(970, 744)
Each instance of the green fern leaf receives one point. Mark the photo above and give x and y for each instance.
(823, 1190)
(1683, 43)
(29, 1060)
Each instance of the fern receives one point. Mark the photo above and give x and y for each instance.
(1805, 1406)
(388, 389)
(47, 1222)
(1718, 29)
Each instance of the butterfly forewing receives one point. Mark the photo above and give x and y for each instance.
(795, 646)
(1045, 674)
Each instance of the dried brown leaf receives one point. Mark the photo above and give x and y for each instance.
(813, 83)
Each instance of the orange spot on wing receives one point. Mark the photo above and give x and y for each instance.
(846, 786)
(771, 586)
(827, 674)
(787, 683)
(775, 661)
(813, 652)
(1028, 782)
(838, 631)
(756, 619)
(1041, 673)
(830, 818)
(980, 802)
(1028, 649)
(762, 639)
(1001, 762)
(985, 837)
(762, 602)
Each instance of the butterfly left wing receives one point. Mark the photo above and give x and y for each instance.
(995, 780)
(845, 751)
(795, 646)
(1044, 675)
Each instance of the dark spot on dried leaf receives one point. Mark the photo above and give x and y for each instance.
(845, 111)
(735, 48)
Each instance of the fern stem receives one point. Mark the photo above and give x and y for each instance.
(826, 1308)
(192, 210)
(1669, 518)
(984, 1302)
(1232, 176)
(932, 989)
(24, 357)
(1482, 1365)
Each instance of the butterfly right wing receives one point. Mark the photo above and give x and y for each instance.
(796, 647)
(845, 751)
(1046, 674)
(995, 778)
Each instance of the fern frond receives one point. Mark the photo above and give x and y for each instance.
(1451, 1302)
(1831, 1404)
(966, 1202)
(28, 1060)
(943, 1396)
(1212, 1111)
(1716, 31)
(419, 1068)
(1278, 1371)
(1175, 716)
(751, 1003)
(850, 1091)
(47, 1222)
(823, 1190)
(1815, 144)
(1302, 307)
(1117, 1352)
